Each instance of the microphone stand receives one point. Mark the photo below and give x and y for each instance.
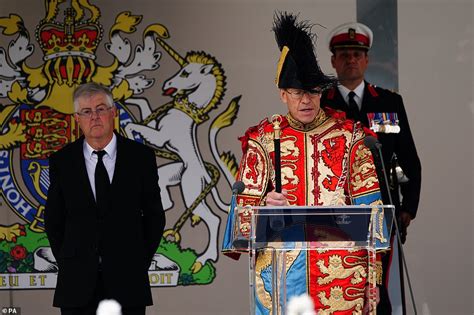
(375, 145)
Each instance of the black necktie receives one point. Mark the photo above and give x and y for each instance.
(102, 182)
(353, 111)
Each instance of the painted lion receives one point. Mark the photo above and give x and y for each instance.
(336, 270)
(337, 303)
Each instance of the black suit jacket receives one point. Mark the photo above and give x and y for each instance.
(126, 236)
(378, 100)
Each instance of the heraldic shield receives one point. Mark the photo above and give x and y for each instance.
(326, 253)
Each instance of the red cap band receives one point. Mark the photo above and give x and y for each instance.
(356, 39)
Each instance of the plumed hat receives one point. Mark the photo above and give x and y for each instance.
(298, 66)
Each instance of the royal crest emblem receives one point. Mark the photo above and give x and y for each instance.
(36, 120)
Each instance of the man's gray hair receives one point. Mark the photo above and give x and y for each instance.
(90, 89)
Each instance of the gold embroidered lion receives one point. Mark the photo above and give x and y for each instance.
(363, 174)
(336, 270)
(336, 302)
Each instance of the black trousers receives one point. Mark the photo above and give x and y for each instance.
(99, 295)
(385, 307)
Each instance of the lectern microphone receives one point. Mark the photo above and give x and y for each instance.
(238, 188)
(240, 242)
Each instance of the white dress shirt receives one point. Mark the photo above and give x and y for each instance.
(108, 159)
(359, 91)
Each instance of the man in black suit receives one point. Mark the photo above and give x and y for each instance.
(104, 218)
(382, 111)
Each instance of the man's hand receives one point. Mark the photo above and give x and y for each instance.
(405, 219)
(368, 307)
(277, 199)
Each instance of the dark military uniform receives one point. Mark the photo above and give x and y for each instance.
(401, 144)
(378, 100)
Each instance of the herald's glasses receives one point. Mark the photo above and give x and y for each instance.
(297, 94)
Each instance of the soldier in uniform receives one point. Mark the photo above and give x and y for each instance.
(377, 108)
(382, 111)
(323, 162)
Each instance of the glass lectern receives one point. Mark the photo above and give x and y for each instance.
(328, 253)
